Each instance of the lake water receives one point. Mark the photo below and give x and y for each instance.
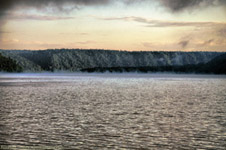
(112, 111)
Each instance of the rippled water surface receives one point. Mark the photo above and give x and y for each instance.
(112, 111)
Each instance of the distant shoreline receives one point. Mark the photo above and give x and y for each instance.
(112, 61)
(106, 74)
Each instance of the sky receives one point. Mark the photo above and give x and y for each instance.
(133, 25)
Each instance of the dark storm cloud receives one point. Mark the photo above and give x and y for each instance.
(8, 6)
(177, 5)
(173, 5)
(180, 5)
(42, 4)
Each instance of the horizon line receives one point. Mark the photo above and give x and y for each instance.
(95, 49)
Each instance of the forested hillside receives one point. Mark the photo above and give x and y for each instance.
(8, 65)
(76, 59)
(216, 66)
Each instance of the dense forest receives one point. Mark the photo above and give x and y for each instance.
(9, 65)
(77, 59)
(215, 66)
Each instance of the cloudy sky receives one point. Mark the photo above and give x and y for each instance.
(169, 25)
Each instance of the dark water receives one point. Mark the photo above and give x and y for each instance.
(127, 111)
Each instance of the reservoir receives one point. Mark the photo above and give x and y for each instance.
(112, 111)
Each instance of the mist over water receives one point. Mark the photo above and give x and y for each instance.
(112, 111)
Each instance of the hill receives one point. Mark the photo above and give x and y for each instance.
(77, 59)
(214, 66)
(8, 65)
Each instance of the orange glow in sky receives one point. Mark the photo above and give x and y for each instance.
(119, 25)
